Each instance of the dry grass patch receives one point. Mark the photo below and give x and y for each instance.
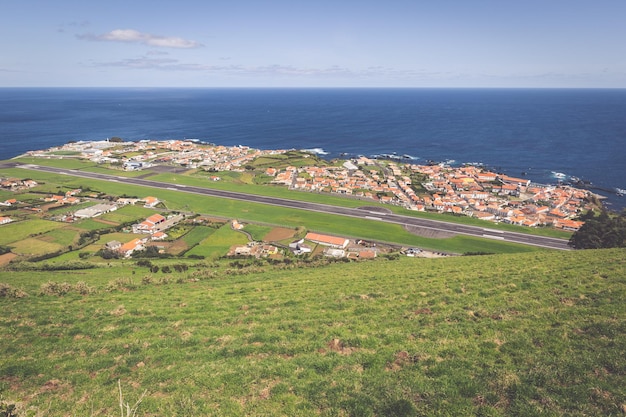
(279, 233)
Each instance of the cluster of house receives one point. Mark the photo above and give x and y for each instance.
(473, 191)
(154, 227)
(338, 247)
(16, 184)
(346, 179)
(69, 197)
(144, 153)
(127, 249)
(334, 246)
(103, 208)
(256, 249)
(468, 190)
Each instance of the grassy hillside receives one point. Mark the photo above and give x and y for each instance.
(517, 334)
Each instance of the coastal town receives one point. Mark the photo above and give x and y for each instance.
(468, 190)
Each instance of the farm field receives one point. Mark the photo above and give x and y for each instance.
(513, 334)
(217, 243)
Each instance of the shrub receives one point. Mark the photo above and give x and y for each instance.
(82, 288)
(109, 254)
(144, 262)
(55, 288)
(121, 284)
(8, 410)
(8, 291)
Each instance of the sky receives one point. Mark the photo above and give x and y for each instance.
(313, 43)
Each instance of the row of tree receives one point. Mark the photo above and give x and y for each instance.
(602, 231)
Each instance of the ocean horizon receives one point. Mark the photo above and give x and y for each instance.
(546, 135)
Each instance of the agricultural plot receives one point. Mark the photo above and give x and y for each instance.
(64, 236)
(258, 232)
(129, 213)
(278, 234)
(192, 238)
(93, 224)
(218, 243)
(16, 231)
(33, 247)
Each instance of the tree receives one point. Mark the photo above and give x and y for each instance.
(116, 139)
(603, 231)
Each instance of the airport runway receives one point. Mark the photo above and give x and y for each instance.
(483, 232)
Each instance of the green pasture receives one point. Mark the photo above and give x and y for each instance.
(6, 195)
(16, 231)
(504, 335)
(104, 169)
(33, 247)
(64, 236)
(292, 158)
(128, 213)
(257, 231)
(66, 163)
(218, 243)
(197, 234)
(91, 224)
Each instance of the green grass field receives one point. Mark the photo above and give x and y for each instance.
(33, 247)
(197, 235)
(518, 334)
(258, 232)
(14, 232)
(218, 243)
(129, 213)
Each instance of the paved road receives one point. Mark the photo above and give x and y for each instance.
(546, 242)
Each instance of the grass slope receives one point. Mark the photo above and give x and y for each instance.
(517, 334)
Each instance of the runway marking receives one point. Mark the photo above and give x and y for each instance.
(372, 218)
(493, 237)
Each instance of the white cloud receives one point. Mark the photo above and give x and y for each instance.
(134, 36)
(162, 62)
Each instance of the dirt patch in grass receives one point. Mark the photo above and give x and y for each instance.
(6, 258)
(278, 234)
(427, 232)
(107, 222)
(174, 248)
(338, 346)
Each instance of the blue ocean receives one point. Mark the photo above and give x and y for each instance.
(546, 135)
